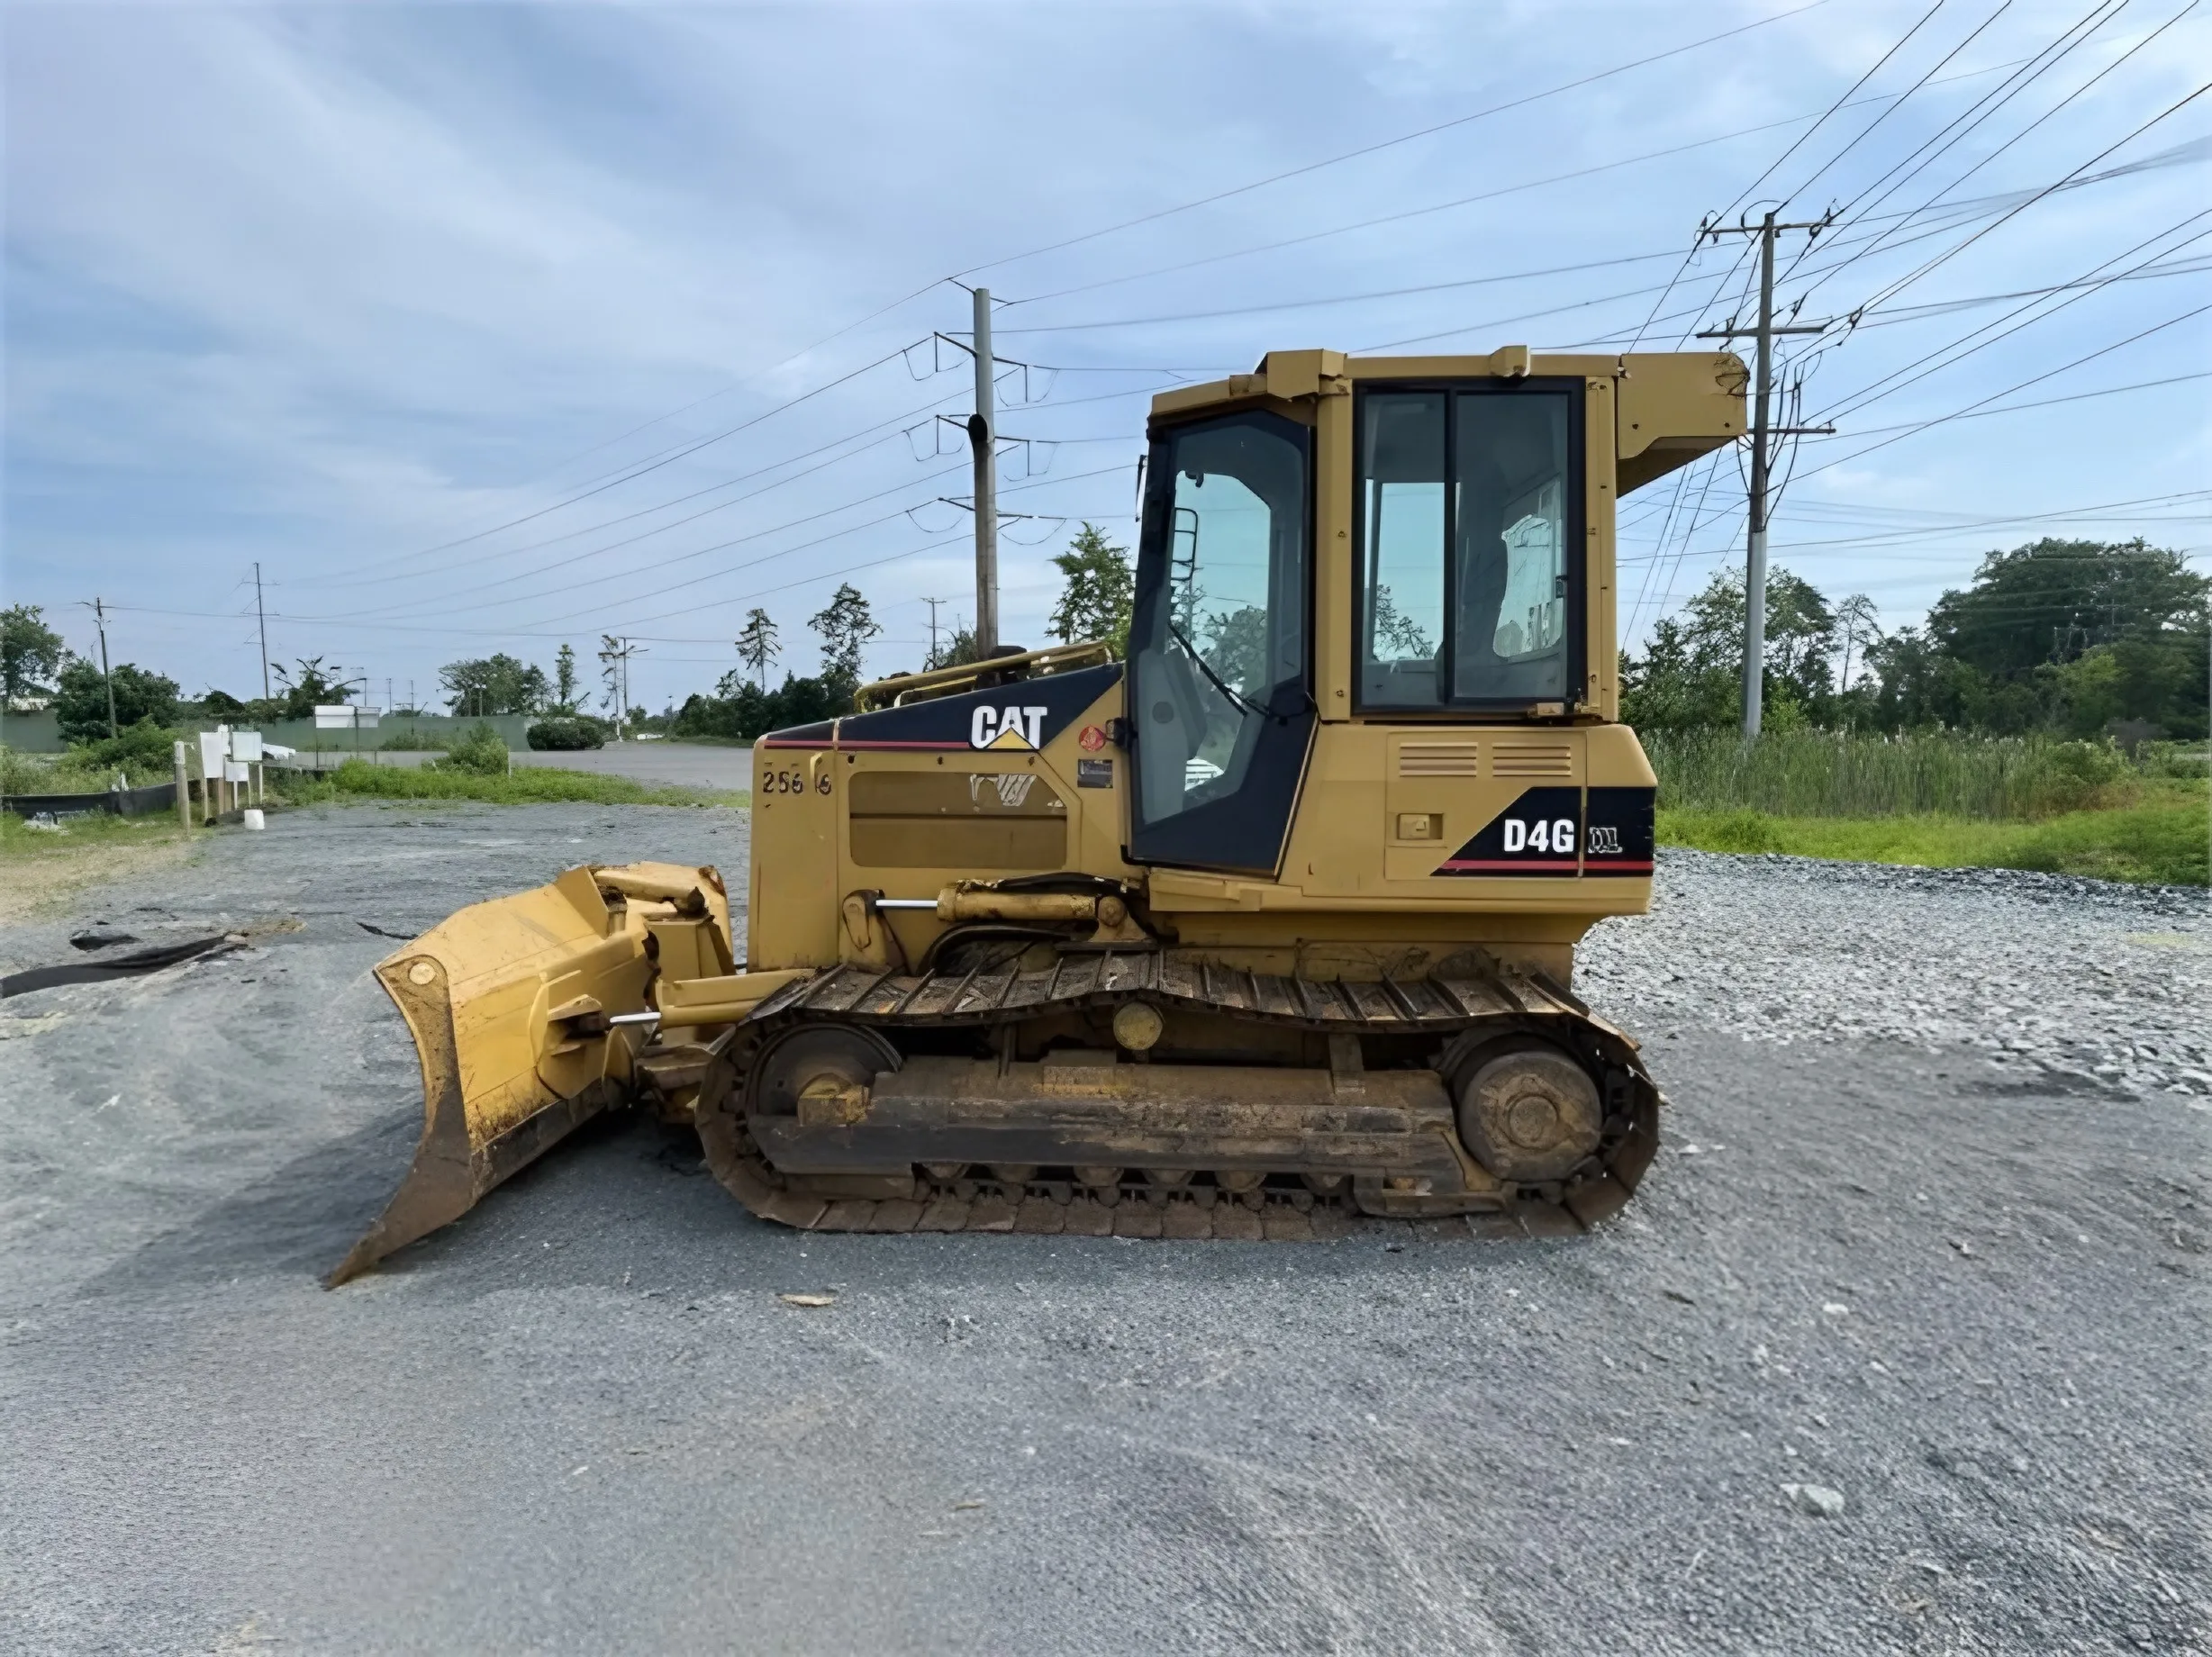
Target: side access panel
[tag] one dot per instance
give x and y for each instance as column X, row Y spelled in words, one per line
column 1018, row 779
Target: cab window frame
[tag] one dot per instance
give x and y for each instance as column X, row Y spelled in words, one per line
column 1156, row 518
column 1574, row 529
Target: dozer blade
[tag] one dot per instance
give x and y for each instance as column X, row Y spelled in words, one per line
column 508, row 1002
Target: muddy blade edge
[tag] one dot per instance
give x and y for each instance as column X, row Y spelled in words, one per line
column 481, row 995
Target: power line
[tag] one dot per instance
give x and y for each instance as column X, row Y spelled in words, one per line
column 2044, row 402
column 1744, row 194
column 1367, row 150
column 1341, row 299
column 540, row 570
column 1747, row 193
column 654, row 466
column 1692, row 313
column 1924, row 518
column 2065, row 48
column 830, row 339
column 785, row 552
column 1952, row 353
column 659, row 506
column 2035, row 380
column 1902, row 283
column 444, row 604
column 1700, row 241
column 1865, row 132
column 1401, row 216
column 1944, row 307
column 1923, row 531
column 2030, row 70
column 1436, row 207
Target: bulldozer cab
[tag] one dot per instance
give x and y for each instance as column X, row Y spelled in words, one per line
column 1397, row 541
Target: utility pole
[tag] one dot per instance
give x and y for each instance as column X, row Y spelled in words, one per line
column 617, row 655
column 1763, row 434
column 933, row 603
column 261, row 616
column 99, row 617
column 982, row 435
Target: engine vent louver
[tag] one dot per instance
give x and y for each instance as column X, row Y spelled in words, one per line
column 1532, row 759
column 1439, row 759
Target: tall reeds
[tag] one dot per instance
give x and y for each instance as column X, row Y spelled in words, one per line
column 1820, row 773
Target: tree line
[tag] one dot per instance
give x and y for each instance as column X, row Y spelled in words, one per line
column 1096, row 588
column 2074, row 636
column 2084, row 638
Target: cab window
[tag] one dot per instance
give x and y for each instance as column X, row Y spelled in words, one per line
column 1469, row 591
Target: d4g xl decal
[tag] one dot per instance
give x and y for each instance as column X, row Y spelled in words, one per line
column 1539, row 834
column 1619, row 837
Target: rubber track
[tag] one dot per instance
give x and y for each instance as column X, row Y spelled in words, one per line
column 889, row 1001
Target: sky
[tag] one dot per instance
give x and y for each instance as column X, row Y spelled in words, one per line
column 482, row 327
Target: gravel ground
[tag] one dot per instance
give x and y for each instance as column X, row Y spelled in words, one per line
column 1929, row 1231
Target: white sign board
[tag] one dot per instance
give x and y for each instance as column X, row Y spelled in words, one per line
column 344, row 716
column 212, row 746
column 234, row 771
column 246, row 747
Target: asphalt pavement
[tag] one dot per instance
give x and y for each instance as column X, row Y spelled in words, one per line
column 1965, row 1293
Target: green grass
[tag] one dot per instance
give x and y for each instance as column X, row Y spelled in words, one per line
column 1941, row 800
column 526, row 785
column 1826, row 773
column 2163, row 842
column 90, row 831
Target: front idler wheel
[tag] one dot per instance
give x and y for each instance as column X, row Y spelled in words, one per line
column 810, row 1057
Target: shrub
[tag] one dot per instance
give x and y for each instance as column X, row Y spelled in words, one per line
column 38, row 773
column 2066, row 777
column 567, row 733
column 2174, row 759
column 146, row 752
column 479, row 749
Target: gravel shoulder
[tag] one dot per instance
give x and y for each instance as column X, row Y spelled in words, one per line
column 1928, row 1230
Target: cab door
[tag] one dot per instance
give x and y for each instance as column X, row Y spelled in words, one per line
column 1220, row 709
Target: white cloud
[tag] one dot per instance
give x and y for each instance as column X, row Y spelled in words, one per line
column 329, row 286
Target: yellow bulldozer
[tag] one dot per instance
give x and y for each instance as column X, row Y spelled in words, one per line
column 1267, row 928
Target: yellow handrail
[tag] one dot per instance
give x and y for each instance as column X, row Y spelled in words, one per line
column 904, row 688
